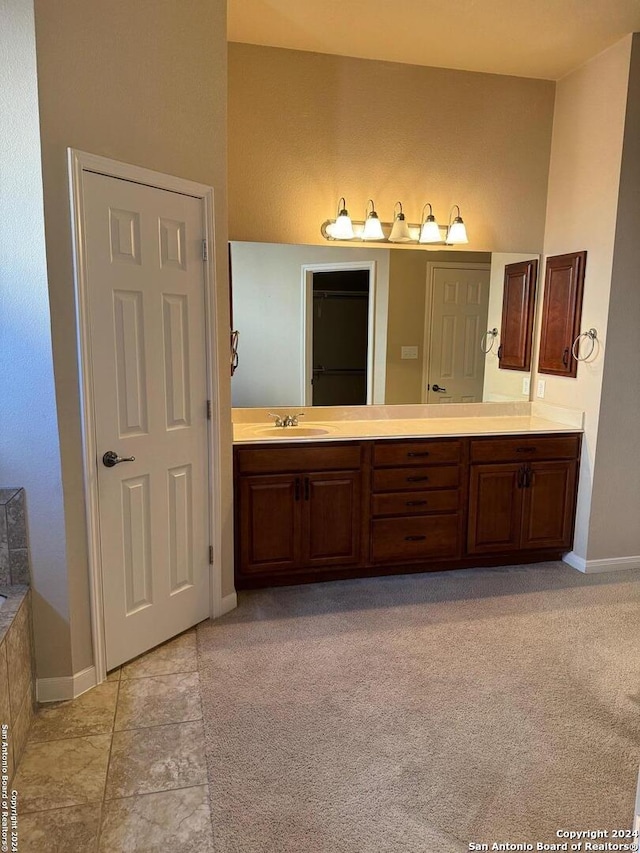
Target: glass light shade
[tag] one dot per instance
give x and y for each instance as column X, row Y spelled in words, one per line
column 400, row 231
column 372, row 228
column 430, row 231
column 457, row 233
column 342, row 228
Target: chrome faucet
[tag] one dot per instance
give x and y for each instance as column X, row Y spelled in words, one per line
column 292, row 420
column 286, row 420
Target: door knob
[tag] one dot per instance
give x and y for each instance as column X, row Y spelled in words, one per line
column 439, row 388
column 110, row 459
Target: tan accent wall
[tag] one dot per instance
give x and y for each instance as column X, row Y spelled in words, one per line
column 145, row 84
column 582, row 208
column 614, row 530
column 307, row 128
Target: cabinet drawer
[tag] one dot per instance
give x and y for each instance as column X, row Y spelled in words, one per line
column 267, row 460
column 415, row 452
column 415, row 479
column 415, row 503
column 399, row 539
column 525, row 448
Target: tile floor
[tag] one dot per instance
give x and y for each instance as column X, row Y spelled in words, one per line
column 121, row 768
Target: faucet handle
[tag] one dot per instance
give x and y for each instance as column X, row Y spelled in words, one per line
column 279, row 422
column 293, row 419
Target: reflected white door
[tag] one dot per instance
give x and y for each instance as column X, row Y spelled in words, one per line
column 147, row 322
column 454, row 372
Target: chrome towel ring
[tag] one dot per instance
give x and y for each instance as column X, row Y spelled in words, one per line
column 493, row 333
column 591, row 335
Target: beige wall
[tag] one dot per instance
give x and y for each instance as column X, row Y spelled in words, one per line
column 614, row 529
column 144, row 83
column 306, row 128
column 582, row 208
column 29, row 444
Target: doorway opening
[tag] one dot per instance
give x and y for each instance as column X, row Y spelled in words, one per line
column 340, row 337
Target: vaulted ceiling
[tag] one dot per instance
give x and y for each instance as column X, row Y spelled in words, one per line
column 527, row 38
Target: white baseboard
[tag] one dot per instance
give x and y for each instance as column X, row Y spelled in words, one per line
column 229, row 603
column 65, row 687
column 589, row 567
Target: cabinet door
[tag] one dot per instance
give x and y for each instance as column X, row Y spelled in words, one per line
column 549, row 501
column 495, row 508
column 561, row 311
column 518, row 301
column 269, row 515
column 331, row 518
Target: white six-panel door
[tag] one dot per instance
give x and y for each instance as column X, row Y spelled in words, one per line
column 146, row 301
column 460, row 303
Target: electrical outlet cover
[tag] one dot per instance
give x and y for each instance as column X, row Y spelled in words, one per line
column 541, row 387
column 526, row 386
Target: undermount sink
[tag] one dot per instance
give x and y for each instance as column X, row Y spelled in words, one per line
column 291, row 432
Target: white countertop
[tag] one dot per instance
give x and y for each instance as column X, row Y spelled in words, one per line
column 260, row 432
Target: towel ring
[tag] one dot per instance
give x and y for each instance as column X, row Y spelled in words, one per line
column 592, row 335
column 234, row 350
column 483, row 340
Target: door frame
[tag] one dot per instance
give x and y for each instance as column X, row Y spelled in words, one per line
column 80, row 162
column 306, row 391
column 432, row 266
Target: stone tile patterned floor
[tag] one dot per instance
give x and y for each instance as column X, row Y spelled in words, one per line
column 121, row 768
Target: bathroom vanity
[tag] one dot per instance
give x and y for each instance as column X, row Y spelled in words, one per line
column 356, row 498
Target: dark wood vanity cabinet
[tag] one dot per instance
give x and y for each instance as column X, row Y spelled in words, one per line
column 524, row 499
column 298, row 508
column 320, row 511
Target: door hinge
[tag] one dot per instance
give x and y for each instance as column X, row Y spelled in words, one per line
column 210, row 555
column 208, row 410
column 205, row 250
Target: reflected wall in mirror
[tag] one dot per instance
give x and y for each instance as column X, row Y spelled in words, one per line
column 333, row 325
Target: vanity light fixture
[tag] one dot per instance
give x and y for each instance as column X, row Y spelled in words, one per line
column 456, row 232
column 372, row 228
column 429, row 228
column 343, row 227
column 400, row 232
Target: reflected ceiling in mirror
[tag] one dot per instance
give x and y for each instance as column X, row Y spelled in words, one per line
column 335, row 325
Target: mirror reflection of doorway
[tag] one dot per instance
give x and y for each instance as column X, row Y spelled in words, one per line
column 453, row 370
column 340, row 335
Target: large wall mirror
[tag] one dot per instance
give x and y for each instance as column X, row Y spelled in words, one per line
column 334, row 325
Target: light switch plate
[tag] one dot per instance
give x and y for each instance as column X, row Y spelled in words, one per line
column 541, row 387
column 526, row 386
column 408, row 352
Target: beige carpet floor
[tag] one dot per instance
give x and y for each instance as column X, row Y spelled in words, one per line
column 417, row 714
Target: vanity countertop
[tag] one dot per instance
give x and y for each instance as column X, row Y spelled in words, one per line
column 389, row 428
